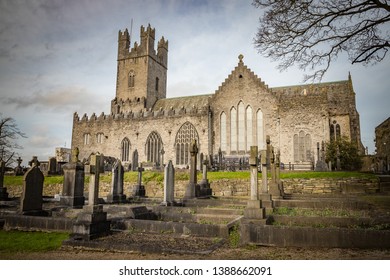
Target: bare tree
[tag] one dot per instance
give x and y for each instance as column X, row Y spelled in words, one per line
column 312, row 33
column 9, row 133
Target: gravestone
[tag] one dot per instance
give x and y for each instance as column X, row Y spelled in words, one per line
column 3, row 190
column 205, row 190
column 220, row 158
column 254, row 209
column 92, row 222
column 274, row 184
column 31, row 200
column 73, row 185
column 193, row 188
column 321, row 165
column 162, row 152
column 116, row 195
column 139, row 189
column 265, row 196
column 52, row 166
column 134, row 165
column 169, row 185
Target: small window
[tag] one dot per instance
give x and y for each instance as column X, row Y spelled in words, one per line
column 87, row 137
column 157, row 80
column 99, row 138
column 131, row 79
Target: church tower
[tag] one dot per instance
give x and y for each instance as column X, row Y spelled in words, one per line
column 141, row 72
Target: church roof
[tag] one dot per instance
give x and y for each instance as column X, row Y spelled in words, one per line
column 187, row 102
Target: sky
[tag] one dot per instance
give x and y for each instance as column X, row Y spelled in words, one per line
column 59, row 57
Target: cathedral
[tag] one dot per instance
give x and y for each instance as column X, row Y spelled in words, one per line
column 146, row 127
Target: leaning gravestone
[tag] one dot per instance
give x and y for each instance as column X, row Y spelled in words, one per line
column 169, row 185
column 31, row 200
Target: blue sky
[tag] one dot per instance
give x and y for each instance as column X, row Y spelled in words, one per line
column 59, row 57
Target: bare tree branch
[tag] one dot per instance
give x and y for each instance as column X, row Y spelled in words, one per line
column 311, row 34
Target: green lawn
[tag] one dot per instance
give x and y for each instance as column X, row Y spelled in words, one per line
column 30, row 241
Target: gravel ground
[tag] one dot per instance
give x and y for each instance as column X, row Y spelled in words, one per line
column 170, row 247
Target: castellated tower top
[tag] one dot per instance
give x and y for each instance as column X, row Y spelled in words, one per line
column 141, row 70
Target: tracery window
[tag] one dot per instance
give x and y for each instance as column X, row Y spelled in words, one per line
column 154, row 146
column 184, row 136
column 125, row 149
column 335, row 131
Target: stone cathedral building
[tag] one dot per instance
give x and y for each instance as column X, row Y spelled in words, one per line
column 143, row 124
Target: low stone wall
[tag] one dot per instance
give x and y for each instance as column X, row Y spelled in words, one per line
column 237, row 187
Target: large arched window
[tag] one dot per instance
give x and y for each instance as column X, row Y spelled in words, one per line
column 223, row 132
column 260, row 130
column 184, row 136
column 241, row 126
column 154, row 146
column 125, row 149
column 249, row 130
column 233, row 130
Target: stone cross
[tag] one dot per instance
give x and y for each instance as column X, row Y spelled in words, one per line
column 139, row 189
column 169, row 184
column 220, row 158
column 135, row 160
column 31, row 200
column 19, row 160
column 264, row 188
column 34, row 162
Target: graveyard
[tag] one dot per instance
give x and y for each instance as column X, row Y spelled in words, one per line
column 185, row 213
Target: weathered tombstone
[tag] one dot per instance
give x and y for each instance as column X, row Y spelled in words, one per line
column 139, row 189
column 116, row 195
column 52, row 166
column 3, row 190
column 192, row 188
column 220, row 159
column 254, row 210
column 265, row 196
column 134, row 165
column 204, row 184
column 274, row 184
column 31, row 200
column 73, row 186
column 19, row 169
column 169, row 185
column 92, row 221
column 321, row 164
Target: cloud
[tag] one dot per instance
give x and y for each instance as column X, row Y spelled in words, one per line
column 68, row 99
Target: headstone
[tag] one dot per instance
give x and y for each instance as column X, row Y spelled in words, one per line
column 274, row 184
column 265, row 196
column 220, row 157
column 52, row 166
column 3, row 190
column 192, row 188
column 134, row 165
column 31, row 200
column 254, row 209
column 116, row 195
column 205, row 190
column 92, row 221
column 73, row 186
column 321, row 165
column 162, row 152
column 169, row 185
column 139, row 189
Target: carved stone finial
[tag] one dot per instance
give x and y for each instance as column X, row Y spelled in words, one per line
column 240, row 57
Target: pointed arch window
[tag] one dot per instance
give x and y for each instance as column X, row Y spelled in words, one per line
column 233, row 130
column 241, row 126
column 131, row 80
column 223, row 132
column 154, row 146
column 125, row 149
column 260, row 129
column 184, row 136
column 249, row 131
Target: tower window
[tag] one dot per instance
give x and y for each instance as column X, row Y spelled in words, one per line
column 157, row 80
column 131, row 79
column 87, row 137
column 99, row 138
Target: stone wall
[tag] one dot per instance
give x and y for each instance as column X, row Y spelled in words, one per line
column 236, row 187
